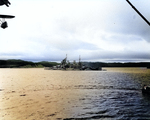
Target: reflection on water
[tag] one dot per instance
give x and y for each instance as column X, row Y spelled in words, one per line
column 36, row 94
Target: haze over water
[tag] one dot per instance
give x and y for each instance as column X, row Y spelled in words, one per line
column 36, row 94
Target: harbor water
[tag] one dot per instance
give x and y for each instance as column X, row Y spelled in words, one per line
column 38, row 94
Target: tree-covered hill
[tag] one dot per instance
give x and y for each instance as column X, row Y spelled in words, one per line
column 13, row 63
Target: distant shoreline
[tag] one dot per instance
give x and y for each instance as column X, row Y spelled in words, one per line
column 13, row 63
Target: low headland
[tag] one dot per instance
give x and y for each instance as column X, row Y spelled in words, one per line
column 14, row 63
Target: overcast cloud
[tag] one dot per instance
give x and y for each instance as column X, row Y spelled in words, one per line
column 98, row 30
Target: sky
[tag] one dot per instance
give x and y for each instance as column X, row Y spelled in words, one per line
column 95, row 30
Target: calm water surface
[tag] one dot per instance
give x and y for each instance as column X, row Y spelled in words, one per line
column 36, row 94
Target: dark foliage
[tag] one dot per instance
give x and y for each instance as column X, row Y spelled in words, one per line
column 20, row 63
column 12, row 63
column 129, row 64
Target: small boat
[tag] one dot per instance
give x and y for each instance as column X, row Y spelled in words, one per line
column 146, row 89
